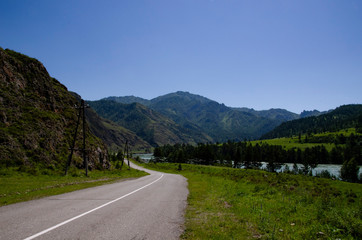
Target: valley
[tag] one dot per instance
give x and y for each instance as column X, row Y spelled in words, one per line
column 200, row 119
column 219, row 149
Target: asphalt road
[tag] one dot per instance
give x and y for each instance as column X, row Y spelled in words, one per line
column 150, row 207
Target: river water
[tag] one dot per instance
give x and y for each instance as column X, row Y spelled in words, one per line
column 333, row 169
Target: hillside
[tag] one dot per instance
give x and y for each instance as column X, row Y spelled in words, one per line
column 148, row 124
column 37, row 117
column 343, row 117
column 112, row 134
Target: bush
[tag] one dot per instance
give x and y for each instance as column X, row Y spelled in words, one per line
column 75, row 172
column 325, row 174
column 138, row 159
column 349, row 171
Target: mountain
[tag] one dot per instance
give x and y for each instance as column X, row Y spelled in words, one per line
column 184, row 102
column 305, row 113
column 346, row 116
column 224, row 123
column 38, row 118
column 112, row 134
column 277, row 114
column 203, row 117
column 220, row 122
column 128, row 100
column 148, row 124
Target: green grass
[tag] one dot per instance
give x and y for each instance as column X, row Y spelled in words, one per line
column 293, row 142
column 227, row 203
column 18, row 186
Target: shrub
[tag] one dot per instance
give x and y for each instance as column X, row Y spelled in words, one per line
column 349, row 171
column 324, row 174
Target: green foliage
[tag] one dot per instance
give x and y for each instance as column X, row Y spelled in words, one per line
column 325, row 174
column 24, row 59
column 349, row 170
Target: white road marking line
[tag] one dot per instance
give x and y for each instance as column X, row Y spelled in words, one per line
column 94, row 209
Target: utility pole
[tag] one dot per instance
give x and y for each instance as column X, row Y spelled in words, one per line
column 81, row 113
column 124, row 153
column 73, row 142
column 128, row 155
column 85, row 160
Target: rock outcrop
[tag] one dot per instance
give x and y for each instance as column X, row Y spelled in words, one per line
column 38, row 118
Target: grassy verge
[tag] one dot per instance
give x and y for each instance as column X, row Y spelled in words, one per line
column 227, row 203
column 18, row 186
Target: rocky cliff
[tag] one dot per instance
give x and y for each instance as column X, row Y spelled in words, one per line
column 38, row 118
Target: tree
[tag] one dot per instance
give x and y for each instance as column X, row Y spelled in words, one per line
column 157, row 152
column 349, row 170
column 336, row 156
column 275, row 154
column 238, row 157
column 295, row 168
column 248, row 159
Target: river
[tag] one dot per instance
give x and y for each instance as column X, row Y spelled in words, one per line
column 333, row 169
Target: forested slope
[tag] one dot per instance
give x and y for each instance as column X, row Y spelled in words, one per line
column 347, row 116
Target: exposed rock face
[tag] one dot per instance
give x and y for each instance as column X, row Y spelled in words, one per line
column 38, row 118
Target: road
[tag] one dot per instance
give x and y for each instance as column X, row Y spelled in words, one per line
column 149, row 207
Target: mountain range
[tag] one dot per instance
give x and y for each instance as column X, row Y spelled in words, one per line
column 182, row 117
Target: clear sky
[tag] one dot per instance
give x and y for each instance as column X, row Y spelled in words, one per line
column 296, row 55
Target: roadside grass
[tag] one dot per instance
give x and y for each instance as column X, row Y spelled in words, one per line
column 16, row 186
column 226, row 203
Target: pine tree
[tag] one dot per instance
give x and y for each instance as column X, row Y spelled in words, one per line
column 349, row 171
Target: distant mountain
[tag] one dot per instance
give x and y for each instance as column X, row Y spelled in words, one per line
column 202, row 116
column 151, row 126
column 278, row 114
column 37, row 117
column 305, row 113
column 128, row 100
column 346, row 116
column 220, row 122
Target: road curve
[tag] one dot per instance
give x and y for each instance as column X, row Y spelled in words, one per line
column 150, row 207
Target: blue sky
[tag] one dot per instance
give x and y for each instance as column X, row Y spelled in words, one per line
column 296, row 55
